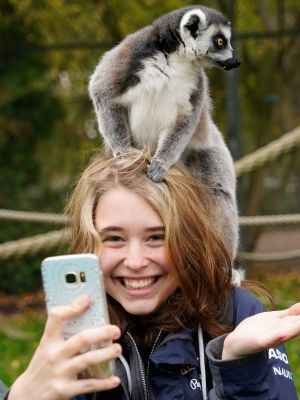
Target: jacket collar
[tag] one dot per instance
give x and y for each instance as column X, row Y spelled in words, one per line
column 176, row 348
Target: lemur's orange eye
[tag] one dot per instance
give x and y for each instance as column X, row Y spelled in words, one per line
column 220, row 42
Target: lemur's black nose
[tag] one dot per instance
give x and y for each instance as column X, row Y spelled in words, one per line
column 231, row 63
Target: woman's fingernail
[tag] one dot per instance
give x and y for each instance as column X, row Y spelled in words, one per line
column 83, row 300
column 116, row 333
column 116, row 381
column 117, row 348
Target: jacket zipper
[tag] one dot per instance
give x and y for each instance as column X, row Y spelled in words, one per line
column 141, row 366
column 148, row 363
column 125, row 391
column 145, row 377
column 94, row 396
column 173, row 337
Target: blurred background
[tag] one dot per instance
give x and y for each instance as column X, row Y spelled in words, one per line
column 48, row 133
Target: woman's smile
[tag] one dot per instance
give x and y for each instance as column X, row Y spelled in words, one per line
column 136, row 284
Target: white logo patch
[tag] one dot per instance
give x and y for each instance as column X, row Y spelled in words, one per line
column 194, row 383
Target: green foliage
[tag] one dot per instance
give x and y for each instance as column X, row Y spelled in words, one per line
column 22, row 275
column 17, row 352
column 293, row 352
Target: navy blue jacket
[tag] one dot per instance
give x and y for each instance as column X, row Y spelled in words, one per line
column 173, row 373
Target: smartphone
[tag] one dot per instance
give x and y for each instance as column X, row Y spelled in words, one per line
column 67, row 277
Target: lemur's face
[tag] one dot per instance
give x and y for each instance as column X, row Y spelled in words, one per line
column 208, row 43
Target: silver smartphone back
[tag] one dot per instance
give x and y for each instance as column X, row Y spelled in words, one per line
column 67, row 277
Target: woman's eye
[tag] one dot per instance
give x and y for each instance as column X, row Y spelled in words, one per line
column 112, row 239
column 157, row 238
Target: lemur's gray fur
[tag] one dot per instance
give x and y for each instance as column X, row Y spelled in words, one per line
column 151, row 90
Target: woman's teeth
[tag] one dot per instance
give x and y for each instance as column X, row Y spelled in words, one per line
column 137, row 283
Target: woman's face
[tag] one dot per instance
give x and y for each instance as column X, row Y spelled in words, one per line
column 133, row 253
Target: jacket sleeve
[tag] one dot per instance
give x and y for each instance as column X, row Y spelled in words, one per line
column 3, row 391
column 261, row 376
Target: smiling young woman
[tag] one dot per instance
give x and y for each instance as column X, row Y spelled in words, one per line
column 183, row 328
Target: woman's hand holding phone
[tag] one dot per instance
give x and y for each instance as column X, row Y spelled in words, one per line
column 54, row 369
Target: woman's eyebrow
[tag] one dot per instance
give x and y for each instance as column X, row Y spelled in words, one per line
column 118, row 228
column 109, row 229
column 156, row 228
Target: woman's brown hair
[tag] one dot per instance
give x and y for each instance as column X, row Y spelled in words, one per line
column 195, row 249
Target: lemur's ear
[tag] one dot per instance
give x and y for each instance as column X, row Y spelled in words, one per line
column 192, row 22
column 193, row 25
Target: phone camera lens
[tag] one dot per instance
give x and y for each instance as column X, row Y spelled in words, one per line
column 71, row 277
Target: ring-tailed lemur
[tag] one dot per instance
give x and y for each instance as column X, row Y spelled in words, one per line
column 151, row 90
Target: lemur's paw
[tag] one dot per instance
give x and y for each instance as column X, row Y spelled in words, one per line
column 156, row 171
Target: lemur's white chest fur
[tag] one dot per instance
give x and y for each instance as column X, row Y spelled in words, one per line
column 161, row 96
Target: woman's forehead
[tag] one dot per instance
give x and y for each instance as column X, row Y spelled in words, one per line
column 124, row 206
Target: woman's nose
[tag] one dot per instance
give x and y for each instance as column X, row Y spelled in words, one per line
column 135, row 257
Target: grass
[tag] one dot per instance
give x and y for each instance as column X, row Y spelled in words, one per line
column 20, row 333
column 18, row 342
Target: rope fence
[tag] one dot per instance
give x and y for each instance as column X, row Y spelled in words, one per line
column 259, row 220
column 33, row 216
column 50, row 240
column 268, row 153
column 270, row 257
column 33, row 245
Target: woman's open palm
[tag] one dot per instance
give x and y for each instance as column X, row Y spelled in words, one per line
column 262, row 331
